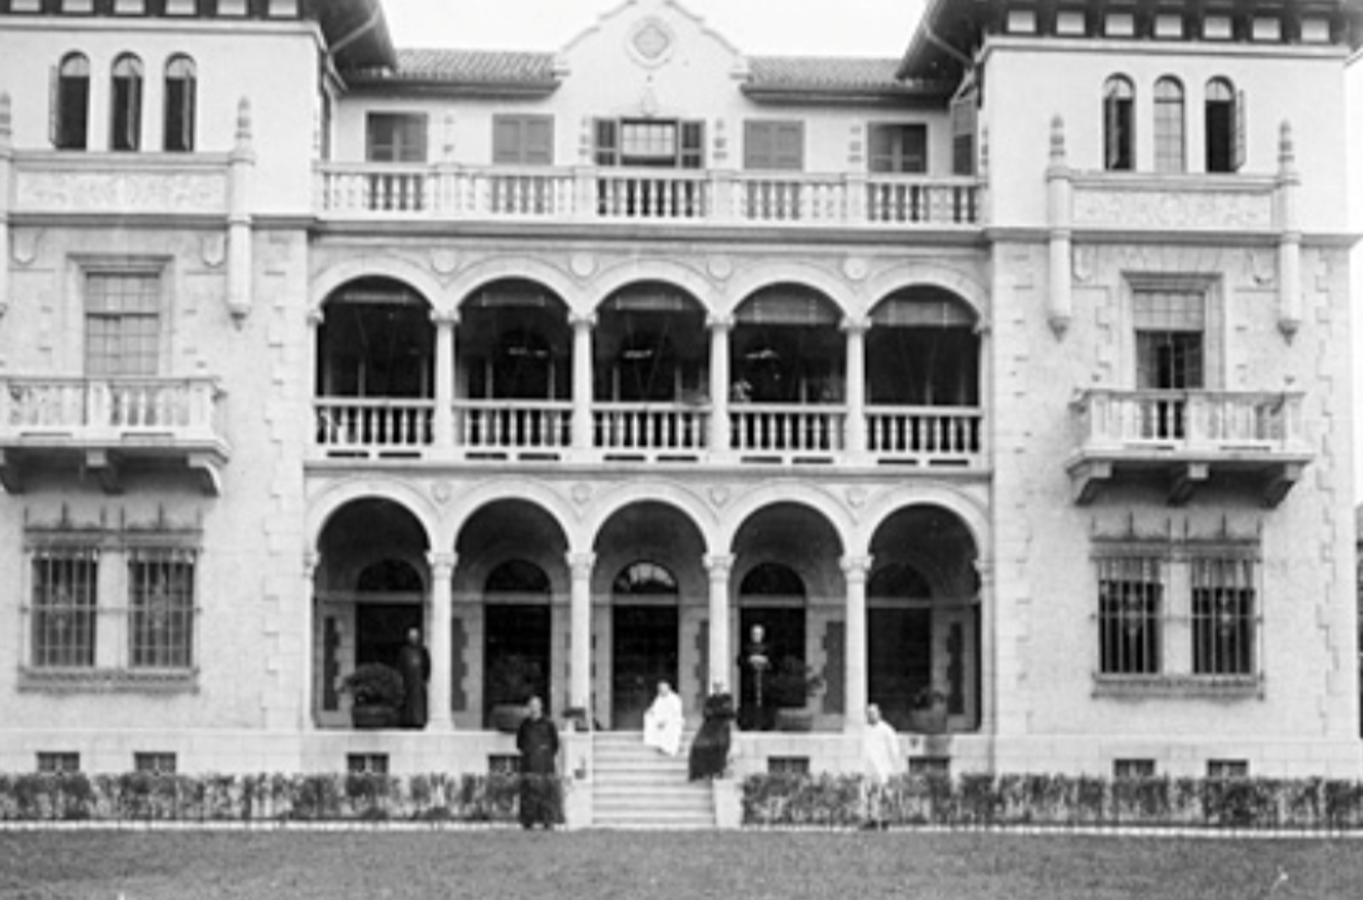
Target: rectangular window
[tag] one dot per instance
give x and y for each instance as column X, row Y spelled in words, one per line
column 65, row 603
column 1170, row 356
column 1123, row 769
column 1224, row 616
column 788, row 765
column 154, row 763
column 1220, row 769
column 898, row 148
column 964, row 125
column 650, row 143
column 395, row 137
column 938, row 766
column 1130, row 608
column 161, row 613
column 777, row 146
column 503, row 763
column 367, row 763
column 523, row 140
column 58, row 762
column 122, row 323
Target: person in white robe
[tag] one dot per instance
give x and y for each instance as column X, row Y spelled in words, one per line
column 880, row 762
column 664, row 721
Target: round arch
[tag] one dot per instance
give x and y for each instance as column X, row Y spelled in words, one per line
column 338, row 495
column 701, row 289
column 678, row 498
column 964, row 285
column 745, row 507
column 554, row 505
column 517, row 268
column 969, row 509
column 329, row 280
column 846, row 297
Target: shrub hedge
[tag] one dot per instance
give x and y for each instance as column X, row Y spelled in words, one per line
column 254, row 798
column 1059, row 801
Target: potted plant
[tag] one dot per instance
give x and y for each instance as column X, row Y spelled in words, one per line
column 789, row 687
column 376, row 694
column 929, row 713
column 511, row 682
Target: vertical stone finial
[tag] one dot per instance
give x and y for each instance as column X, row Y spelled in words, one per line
column 1057, row 140
column 243, row 123
column 6, row 122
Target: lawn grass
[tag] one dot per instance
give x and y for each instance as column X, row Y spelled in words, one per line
column 750, row 865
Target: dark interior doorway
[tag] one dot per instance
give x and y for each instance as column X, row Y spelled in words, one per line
column 644, row 652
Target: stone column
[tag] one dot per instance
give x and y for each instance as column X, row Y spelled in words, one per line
column 438, row 640
column 1060, row 189
column 582, row 381
column 719, row 566
column 239, row 230
column 987, row 665
column 580, row 631
column 307, row 637
column 854, row 570
column 443, row 422
column 6, row 178
column 855, row 329
column 720, row 328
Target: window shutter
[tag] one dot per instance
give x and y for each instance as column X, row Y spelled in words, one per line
column 963, row 134
column 757, row 145
column 607, row 143
column 1111, row 140
column 54, row 109
column 506, row 135
column 1238, row 114
column 692, row 145
column 187, row 104
column 790, row 146
column 539, row 141
column 134, row 135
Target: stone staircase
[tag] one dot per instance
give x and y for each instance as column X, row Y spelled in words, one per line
column 634, row 786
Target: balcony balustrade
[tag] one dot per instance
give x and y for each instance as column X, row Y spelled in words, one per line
column 109, row 421
column 653, row 432
column 447, row 192
column 1189, row 436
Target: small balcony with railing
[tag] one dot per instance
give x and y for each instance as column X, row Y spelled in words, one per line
column 1186, row 439
column 109, row 426
column 649, row 378
column 643, row 196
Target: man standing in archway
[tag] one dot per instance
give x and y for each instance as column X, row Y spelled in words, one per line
column 415, row 665
column 754, row 664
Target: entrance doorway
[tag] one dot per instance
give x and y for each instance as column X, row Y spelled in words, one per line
column 643, row 652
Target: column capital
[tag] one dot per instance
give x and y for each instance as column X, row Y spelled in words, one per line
column 856, row 568
column 316, row 315
column 445, row 318
column 719, row 564
column 581, row 564
column 582, row 321
column 311, row 560
column 858, row 325
column 442, row 564
column 716, row 322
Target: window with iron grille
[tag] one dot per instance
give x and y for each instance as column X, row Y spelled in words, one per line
column 154, row 763
column 788, row 765
column 1133, row 768
column 122, row 323
column 1130, row 610
column 503, row 763
column 58, row 762
column 65, row 604
column 1227, row 768
column 939, row 766
column 1225, row 617
column 161, row 594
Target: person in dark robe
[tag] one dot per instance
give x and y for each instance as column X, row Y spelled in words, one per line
column 414, row 664
column 537, row 740
column 756, row 712
column 710, row 748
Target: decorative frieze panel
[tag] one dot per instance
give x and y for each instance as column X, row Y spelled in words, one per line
column 1197, row 209
column 123, row 192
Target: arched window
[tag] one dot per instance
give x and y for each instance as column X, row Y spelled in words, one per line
column 644, row 579
column 178, row 124
column 71, row 102
column 1224, row 128
column 125, row 120
column 1170, row 155
column 1119, row 127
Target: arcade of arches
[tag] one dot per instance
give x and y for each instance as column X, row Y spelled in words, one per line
column 645, row 599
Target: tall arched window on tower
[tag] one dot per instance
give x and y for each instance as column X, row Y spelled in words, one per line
column 1225, row 127
column 71, row 102
column 180, row 98
column 125, row 120
column 1119, row 134
column 1170, row 155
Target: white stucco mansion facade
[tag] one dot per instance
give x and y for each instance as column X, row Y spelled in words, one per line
column 1016, row 367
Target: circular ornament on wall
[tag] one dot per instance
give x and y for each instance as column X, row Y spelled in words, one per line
column 855, row 267
column 721, row 266
column 442, row 491
column 582, row 264
column 651, row 42
column 444, row 260
column 581, row 493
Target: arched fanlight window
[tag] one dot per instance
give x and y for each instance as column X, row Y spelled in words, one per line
column 1119, row 134
column 1223, row 120
column 644, row 578
column 71, row 102
column 125, row 121
column 390, row 576
column 1170, row 155
column 178, row 121
column 772, row 580
column 898, row 581
column 517, row 576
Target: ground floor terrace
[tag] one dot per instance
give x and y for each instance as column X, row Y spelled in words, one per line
column 589, row 591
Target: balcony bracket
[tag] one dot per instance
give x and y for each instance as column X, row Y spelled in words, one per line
column 1185, row 481
column 1280, row 482
column 1088, row 478
column 209, row 471
column 106, row 469
column 11, row 476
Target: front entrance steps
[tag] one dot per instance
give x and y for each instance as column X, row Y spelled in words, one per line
column 634, row 786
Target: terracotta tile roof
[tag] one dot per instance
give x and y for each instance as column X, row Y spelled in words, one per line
column 507, row 68
column 824, row 74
